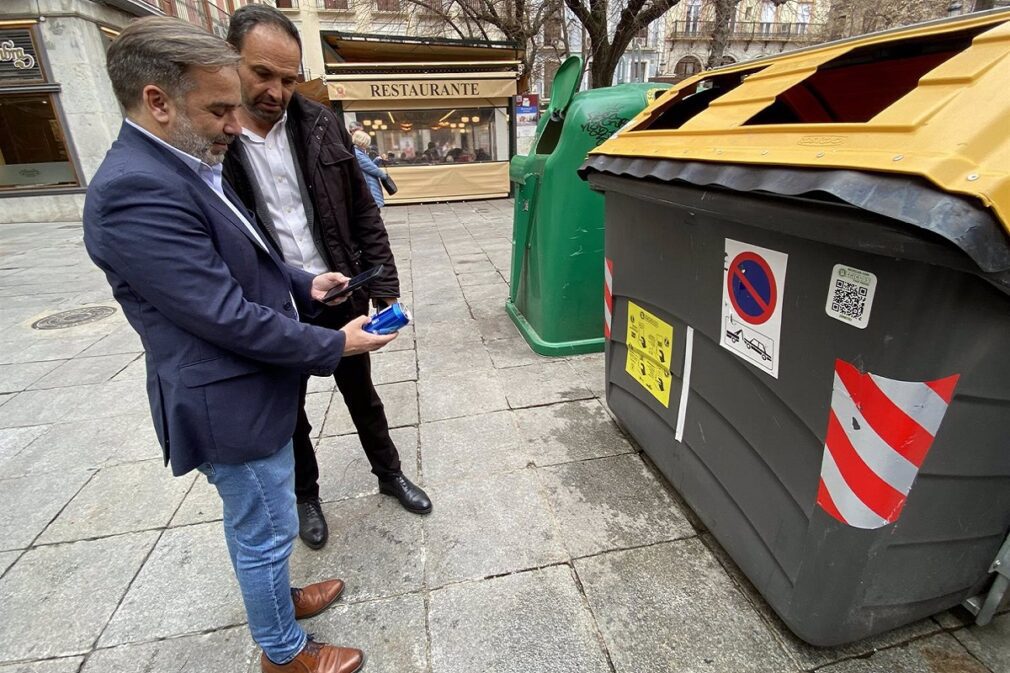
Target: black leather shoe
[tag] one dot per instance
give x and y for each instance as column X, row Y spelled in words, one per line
column 410, row 496
column 312, row 524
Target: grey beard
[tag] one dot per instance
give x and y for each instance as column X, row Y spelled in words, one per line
column 185, row 137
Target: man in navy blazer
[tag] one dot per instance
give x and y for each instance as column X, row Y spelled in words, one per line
column 218, row 313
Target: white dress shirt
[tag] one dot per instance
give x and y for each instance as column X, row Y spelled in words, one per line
column 209, row 174
column 273, row 166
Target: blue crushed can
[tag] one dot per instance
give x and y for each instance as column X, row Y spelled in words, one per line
column 388, row 320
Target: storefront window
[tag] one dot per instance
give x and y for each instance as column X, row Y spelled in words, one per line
column 442, row 136
column 32, row 150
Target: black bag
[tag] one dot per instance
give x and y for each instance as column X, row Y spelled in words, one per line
column 388, row 184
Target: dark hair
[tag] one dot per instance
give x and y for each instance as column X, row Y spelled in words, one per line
column 161, row 51
column 248, row 17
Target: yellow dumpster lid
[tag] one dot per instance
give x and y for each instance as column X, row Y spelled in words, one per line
column 930, row 100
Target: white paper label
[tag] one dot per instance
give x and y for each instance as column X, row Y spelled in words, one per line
column 850, row 295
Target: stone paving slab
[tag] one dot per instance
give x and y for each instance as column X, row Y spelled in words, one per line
column 88, row 444
column 63, row 595
column 937, row 654
column 375, row 547
column 66, row 665
column 107, row 505
column 542, row 383
column 670, row 608
column 989, row 644
column 611, row 503
column 514, row 352
column 507, row 527
column 446, row 358
column 464, row 393
column 52, row 348
column 123, row 340
column 36, row 407
column 562, row 433
column 16, row 377
column 316, row 407
column 394, row 367
column 591, row 370
column 399, row 399
column 14, row 440
column 391, row 632
column 531, row 622
column 31, row 502
column 496, row 324
column 136, row 370
column 83, row 370
column 7, row 559
column 344, row 470
column 201, row 504
column 186, row 586
column 226, row 651
column 113, row 398
column 462, row 449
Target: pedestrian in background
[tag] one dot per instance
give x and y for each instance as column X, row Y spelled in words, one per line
column 373, row 174
column 217, row 311
column 293, row 164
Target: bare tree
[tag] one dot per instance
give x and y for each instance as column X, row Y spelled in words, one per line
column 605, row 46
column 722, row 27
column 854, row 17
column 518, row 21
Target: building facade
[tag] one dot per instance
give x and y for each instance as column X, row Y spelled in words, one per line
column 58, row 113
column 758, row 28
column 439, row 107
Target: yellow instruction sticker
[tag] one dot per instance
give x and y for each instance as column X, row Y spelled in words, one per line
column 649, row 335
column 650, row 346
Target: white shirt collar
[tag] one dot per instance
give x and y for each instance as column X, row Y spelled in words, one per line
column 256, row 138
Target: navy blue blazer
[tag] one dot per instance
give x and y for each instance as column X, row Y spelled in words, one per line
column 225, row 349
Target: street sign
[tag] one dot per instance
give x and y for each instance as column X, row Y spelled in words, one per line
column 753, row 282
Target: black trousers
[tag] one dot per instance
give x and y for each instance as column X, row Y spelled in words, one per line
column 354, row 381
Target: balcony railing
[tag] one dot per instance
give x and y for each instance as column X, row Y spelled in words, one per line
column 279, row 4
column 333, row 5
column 747, row 30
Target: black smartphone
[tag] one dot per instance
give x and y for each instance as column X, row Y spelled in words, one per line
column 361, row 279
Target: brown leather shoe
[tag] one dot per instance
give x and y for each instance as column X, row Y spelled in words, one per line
column 313, row 599
column 318, row 658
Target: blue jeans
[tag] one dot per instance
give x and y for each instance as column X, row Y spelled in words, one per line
column 260, row 525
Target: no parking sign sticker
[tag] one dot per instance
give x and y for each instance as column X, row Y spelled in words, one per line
column 753, row 283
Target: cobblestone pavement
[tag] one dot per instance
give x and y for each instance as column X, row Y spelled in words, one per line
column 553, row 548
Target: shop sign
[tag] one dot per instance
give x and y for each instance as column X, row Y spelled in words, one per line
column 18, row 59
column 422, row 88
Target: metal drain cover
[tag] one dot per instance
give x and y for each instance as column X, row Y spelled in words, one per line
column 73, row 317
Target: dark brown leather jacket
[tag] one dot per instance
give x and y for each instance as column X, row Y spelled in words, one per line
column 346, row 225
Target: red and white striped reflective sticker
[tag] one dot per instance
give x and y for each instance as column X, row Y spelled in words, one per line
column 879, row 432
column 608, row 296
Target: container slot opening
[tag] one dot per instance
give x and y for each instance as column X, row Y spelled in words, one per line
column 550, row 136
column 862, row 83
column 692, row 101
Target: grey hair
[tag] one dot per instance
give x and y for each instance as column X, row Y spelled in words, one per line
column 161, row 51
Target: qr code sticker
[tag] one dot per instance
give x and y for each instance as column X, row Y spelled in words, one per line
column 850, row 296
column 849, row 299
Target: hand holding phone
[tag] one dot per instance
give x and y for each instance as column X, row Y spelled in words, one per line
column 353, row 284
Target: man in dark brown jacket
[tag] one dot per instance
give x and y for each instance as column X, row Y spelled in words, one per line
column 294, row 166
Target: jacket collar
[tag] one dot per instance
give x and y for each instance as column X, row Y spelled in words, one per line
column 134, row 137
